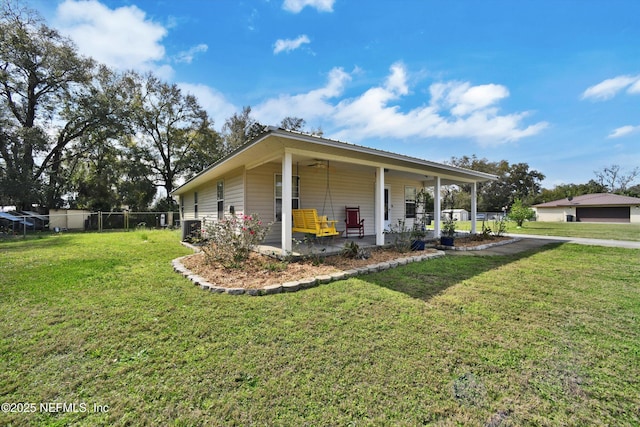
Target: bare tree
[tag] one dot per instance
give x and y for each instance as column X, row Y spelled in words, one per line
column 614, row 179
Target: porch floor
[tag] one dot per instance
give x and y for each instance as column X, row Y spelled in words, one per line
column 325, row 246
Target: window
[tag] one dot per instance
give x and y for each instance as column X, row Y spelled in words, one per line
column 410, row 202
column 220, row 198
column 195, row 204
column 295, row 195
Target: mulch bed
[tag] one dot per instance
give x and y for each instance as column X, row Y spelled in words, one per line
column 260, row 270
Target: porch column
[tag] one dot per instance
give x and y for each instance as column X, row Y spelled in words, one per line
column 379, row 207
column 437, row 208
column 286, row 202
column 474, row 206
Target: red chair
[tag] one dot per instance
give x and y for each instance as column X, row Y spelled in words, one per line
column 353, row 221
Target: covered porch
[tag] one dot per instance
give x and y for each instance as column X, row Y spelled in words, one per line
column 333, row 176
column 281, row 170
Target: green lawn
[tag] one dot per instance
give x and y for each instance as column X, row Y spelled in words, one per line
column 550, row 337
column 589, row 230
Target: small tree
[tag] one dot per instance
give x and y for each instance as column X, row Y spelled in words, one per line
column 520, row 213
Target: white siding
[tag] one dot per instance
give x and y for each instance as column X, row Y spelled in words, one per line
column 260, row 191
column 553, row 214
column 234, row 192
column 261, row 196
column 208, row 197
column 458, row 214
column 345, row 188
column 207, row 210
column 396, row 198
column 186, row 205
column 70, row 219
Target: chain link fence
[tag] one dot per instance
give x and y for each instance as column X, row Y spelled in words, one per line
column 27, row 223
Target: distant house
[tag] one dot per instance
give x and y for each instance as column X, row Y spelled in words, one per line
column 599, row 207
column 458, row 214
column 68, row 219
column 280, row 170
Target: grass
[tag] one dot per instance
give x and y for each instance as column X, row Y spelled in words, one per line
column 549, row 337
column 590, row 230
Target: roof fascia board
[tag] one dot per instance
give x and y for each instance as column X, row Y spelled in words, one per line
column 381, row 158
column 386, row 155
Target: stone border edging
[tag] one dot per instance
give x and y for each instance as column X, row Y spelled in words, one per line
column 296, row 285
column 479, row 247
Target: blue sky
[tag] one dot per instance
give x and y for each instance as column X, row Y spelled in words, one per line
column 553, row 83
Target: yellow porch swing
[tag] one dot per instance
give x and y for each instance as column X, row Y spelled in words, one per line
column 308, row 220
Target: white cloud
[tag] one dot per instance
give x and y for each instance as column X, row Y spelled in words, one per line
column 188, row 55
column 295, row 6
column 214, row 102
column 455, row 110
column 122, row 38
column 608, row 88
column 164, row 72
column 397, row 81
column 634, row 88
column 462, row 98
column 287, row 45
column 624, row 131
column 313, row 105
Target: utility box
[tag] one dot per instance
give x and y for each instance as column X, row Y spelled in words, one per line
column 191, row 228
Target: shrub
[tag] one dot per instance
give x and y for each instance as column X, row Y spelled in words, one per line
column 230, row 240
column 499, row 226
column 401, row 235
column 352, row 250
column 310, row 252
column 520, row 213
column 486, row 231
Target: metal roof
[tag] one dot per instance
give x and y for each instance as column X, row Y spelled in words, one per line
column 35, row 215
column 597, row 199
column 273, row 140
column 14, row 218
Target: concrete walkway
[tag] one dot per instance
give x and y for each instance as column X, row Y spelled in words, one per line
column 527, row 242
column 627, row 244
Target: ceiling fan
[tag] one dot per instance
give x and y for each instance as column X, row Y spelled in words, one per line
column 319, row 164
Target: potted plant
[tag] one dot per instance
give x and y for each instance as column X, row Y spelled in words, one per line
column 448, row 231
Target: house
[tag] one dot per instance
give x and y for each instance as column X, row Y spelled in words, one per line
column 68, row 219
column 283, row 170
column 599, row 207
column 457, row 214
